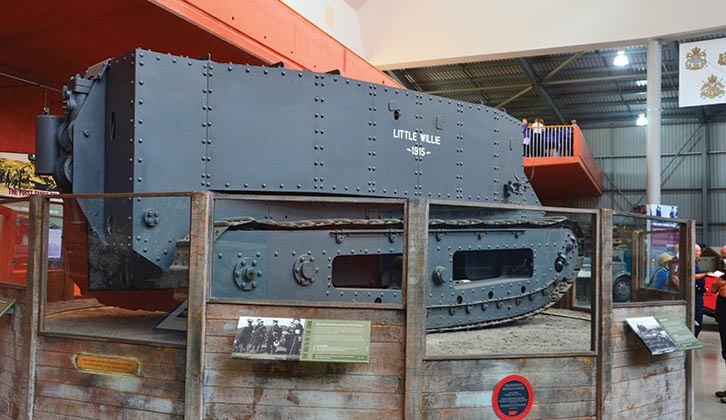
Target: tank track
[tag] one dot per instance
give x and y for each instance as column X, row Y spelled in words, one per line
column 540, row 295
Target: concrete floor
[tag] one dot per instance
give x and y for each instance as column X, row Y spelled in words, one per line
column 709, row 375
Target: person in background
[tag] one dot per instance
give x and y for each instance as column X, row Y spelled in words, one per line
column 700, row 290
column 537, row 137
column 526, row 140
column 661, row 275
column 674, row 283
column 570, row 140
column 718, row 286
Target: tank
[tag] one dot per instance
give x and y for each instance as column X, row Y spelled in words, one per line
column 148, row 122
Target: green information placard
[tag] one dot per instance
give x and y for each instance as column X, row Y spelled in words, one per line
column 5, row 305
column 336, row 341
column 679, row 334
column 301, row 339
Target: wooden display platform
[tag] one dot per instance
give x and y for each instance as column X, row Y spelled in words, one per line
column 411, row 374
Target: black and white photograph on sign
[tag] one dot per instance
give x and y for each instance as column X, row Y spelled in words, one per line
column 268, row 338
column 652, row 334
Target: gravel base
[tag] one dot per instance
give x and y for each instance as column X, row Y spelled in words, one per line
column 553, row 331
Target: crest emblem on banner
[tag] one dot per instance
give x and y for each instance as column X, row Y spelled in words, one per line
column 696, row 59
column 702, row 72
column 713, row 88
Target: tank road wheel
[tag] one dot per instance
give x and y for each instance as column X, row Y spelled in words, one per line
column 622, row 289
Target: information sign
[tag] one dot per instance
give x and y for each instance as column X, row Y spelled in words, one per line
column 512, row 398
column 309, row 340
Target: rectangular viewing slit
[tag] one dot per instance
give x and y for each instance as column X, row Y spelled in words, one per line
column 492, row 264
column 383, row 271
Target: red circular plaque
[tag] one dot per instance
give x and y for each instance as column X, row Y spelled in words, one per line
column 512, row 398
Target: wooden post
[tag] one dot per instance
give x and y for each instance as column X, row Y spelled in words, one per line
column 690, row 295
column 417, row 223
column 199, row 249
column 605, row 314
column 37, row 269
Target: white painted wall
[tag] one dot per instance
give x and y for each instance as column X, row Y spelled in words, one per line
column 336, row 17
column 405, row 33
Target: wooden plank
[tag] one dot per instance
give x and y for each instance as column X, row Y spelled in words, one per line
column 107, row 397
column 16, row 292
column 642, row 356
column 118, row 383
column 508, row 366
column 201, row 241
column 656, row 367
column 172, row 356
column 8, row 409
column 416, row 275
column 662, row 409
column 11, row 346
column 7, row 392
column 303, row 381
column 621, row 327
column 377, row 366
column 643, row 391
column 8, row 379
column 621, row 314
column 149, row 367
column 376, row 316
column 254, row 411
column 94, row 411
column 604, row 301
column 9, row 363
column 40, row 415
column 476, row 381
column 575, row 410
column 473, row 399
column 37, row 270
column 303, row 398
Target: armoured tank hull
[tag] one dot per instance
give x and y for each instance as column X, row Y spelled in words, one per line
column 148, row 122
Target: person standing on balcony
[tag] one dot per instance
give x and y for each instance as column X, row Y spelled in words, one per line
column 537, row 137
column 571, row 139
column 526, row 138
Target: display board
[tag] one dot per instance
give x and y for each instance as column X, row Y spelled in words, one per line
column 663, row 334
column 299, row 339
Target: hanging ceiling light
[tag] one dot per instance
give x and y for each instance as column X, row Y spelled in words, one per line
column 621, row 59
column 641, row 121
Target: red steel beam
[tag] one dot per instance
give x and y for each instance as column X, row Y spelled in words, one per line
column 273, row 32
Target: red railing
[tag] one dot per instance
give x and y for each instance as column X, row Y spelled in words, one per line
column 561, row 156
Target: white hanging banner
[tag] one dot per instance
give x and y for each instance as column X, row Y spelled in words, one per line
column 702, row 73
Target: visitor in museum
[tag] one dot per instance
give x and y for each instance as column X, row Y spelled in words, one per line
column 718, row 287
column 700, row 289
column 662, row 274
